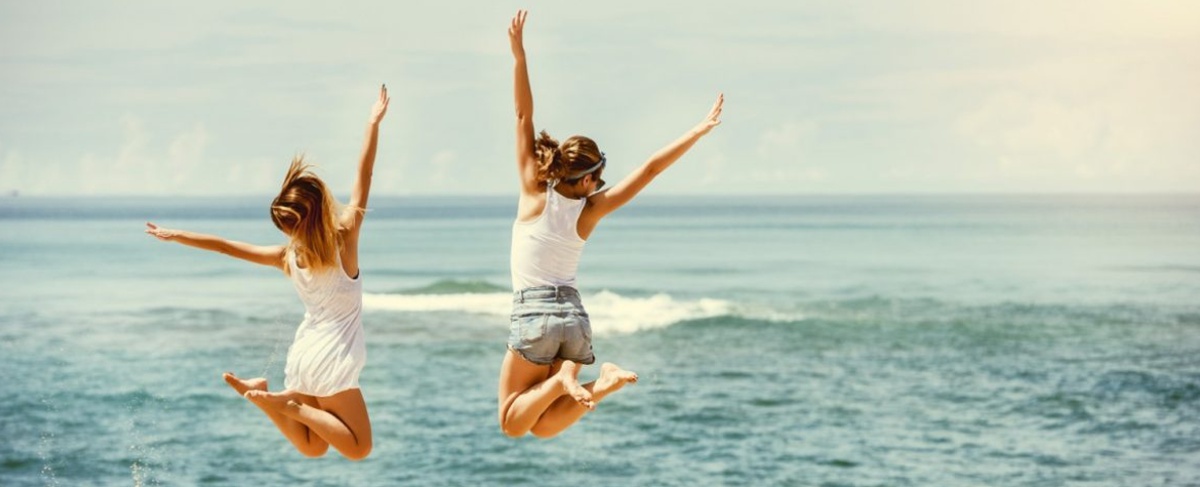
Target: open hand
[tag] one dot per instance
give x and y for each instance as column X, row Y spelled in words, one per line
column 381, row 105
column 164, row 234
column 516, row 34
column 714, row 117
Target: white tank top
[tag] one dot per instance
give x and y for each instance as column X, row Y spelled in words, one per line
column 546, row 251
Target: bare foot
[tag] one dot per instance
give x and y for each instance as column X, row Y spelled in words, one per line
column 568, row 377
column 577, row 392
column 269, row 401
column 612, row 378
column 242, row 386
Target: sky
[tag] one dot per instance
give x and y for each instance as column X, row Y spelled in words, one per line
column 843, row 97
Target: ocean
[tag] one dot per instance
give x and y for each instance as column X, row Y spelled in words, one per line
column 1041, row 340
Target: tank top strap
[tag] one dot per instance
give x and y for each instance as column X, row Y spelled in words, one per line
column 551, row 193
column 290, row 257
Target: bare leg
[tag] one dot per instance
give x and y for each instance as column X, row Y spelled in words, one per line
column 527, row 389
column 340, row 419
column 564, row 412
column 309, row 444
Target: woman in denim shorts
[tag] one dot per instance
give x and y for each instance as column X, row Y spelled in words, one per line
column 550, row 336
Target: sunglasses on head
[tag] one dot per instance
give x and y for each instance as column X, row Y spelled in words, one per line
column 595, row 171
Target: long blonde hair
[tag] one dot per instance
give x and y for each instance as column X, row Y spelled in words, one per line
column 557, row 161
column 307, row 212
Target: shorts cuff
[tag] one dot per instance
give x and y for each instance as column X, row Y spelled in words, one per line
column 532, row 360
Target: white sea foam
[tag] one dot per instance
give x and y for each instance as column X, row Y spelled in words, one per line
column 609, row 311
column 481, row 303
column 613, row 313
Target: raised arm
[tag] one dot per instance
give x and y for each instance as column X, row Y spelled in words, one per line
column 353, row 219
column 606, row 202
column 523, row 97
column 271, row 255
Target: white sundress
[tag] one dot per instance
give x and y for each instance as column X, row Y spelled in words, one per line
column 329, row 350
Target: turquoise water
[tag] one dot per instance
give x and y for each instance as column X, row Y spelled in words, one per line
column 830, row 341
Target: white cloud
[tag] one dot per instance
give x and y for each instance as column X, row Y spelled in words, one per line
column 714, row 170
column 1022, row 124
column 132, row 165
column 441, row 167
column 918, row 96
column 1049, row 21
column 185, row 155
column 257, row 175
column 779, row 162
column 784, row 154
column 12, row 171
column 144, row 165
column 787, row 141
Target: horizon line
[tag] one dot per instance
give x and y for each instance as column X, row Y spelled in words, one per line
column 866, row 194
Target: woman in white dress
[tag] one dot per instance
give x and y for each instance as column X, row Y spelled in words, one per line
column 321, row 405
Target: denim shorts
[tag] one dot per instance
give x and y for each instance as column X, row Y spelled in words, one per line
column 548, row 324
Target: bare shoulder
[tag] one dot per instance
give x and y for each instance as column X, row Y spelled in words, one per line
column 527, row 169
column 599, row 204
column 531, row 203
column 349, row 218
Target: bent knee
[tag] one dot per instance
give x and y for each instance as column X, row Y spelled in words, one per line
column 544, row 433
column 314, row 451
column 510, row 430
column 358, row 453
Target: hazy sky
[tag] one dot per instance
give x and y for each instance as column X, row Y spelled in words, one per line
column 208, row 98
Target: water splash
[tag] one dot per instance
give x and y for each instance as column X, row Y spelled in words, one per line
column 278, row 339
column 141, row 471
column 46, row 446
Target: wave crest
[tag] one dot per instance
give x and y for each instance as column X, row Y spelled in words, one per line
column 455, row 286
column 610, row 312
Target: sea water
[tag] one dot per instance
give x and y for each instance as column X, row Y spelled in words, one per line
column 790, row 340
